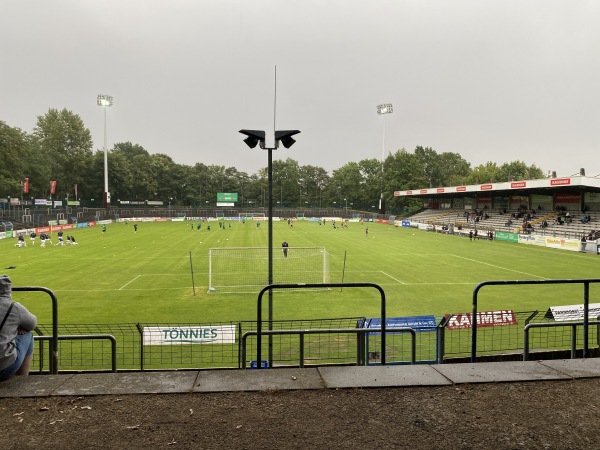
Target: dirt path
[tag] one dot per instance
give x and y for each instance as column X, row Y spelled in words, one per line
column 544, row 415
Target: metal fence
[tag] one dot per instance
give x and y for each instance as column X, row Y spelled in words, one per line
column 439, row 345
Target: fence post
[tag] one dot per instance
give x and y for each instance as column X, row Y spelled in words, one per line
column 141, row 331
column 441, row 340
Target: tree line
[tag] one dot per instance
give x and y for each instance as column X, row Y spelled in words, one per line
column 60, row 148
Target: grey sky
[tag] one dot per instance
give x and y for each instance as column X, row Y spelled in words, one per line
column 491, row 80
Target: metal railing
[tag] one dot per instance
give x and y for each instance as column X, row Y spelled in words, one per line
column 54, row 339
column 572, row 325
column 272, row 287
column 586, row 302
column 360, row 348
column 80, row 337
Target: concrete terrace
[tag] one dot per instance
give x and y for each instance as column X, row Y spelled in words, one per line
column 210, row 381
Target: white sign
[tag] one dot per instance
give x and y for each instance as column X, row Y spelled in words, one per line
column 574, row 312
column 222, row 334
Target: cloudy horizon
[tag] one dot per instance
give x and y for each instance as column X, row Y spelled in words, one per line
column 495, row 81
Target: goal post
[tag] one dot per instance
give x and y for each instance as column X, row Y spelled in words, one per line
column 246, row 269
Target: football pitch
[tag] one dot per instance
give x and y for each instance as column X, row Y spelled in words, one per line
column 123, row 276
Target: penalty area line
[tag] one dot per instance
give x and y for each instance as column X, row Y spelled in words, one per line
column 388, row 275
column 128, row 283
column 500, row 267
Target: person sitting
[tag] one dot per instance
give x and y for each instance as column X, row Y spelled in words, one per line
column 73, row 241
column 16, row 340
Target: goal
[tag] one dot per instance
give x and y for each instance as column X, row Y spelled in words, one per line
column 246, row 269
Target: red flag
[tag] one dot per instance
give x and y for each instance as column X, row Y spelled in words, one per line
column 75, row 188
column 53, row 187
column 26, row 186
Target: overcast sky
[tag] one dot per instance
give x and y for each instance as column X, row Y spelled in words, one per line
column 491, row 80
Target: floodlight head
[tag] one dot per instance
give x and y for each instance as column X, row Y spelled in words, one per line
column 285, row 136
column 385, row 108
column 104, row 100
column 254, row 137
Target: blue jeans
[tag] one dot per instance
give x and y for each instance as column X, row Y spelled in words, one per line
column 24, row 344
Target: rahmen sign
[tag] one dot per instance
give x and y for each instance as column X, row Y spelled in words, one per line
column 221, row 334
column 484, row 319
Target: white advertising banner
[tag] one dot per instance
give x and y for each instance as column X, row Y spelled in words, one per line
column 222, row 334
column 574, row 312
column 532, row 239
column 563, row 244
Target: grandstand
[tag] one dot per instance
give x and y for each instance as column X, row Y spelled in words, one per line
column 555, row 207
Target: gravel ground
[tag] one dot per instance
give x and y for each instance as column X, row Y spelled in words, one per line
column 532, row 415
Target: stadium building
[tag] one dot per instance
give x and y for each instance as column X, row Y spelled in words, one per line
column 567, row 207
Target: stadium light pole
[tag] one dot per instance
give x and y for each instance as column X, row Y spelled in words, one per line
column 105, row 101
column 254, row 138
column 383, row 110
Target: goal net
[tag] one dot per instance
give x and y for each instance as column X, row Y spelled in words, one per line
column 242, row 269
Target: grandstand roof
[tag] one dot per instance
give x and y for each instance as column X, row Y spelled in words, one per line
column 546, row 186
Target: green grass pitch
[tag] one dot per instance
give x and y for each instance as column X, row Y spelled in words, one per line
column 127, row 277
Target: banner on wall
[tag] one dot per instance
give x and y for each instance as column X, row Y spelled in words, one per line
column 519, row 200
column 484, row 319
column 532, row 239
column 563, row 244
column 567, row 198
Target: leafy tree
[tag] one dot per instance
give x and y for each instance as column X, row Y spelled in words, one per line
column 485, row 173
column 518, row 170
column 13, row 161
column 66, row 144
column 454, row 169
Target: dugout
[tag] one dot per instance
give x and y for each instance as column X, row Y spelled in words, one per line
column 398, row 344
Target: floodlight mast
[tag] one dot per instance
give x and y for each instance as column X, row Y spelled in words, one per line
column 258, row 137
column 383, row 110
column 105, row 101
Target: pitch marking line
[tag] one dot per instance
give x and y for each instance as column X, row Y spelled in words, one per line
column 128, row 283
column 388, row 275
column 500, row 267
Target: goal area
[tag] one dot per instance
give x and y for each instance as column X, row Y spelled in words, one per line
column 246, row 269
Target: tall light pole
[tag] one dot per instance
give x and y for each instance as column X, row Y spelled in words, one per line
column 254, row 138
column 382, row 110
column 105, row 101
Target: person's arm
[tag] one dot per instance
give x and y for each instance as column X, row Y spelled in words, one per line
column 27, row 321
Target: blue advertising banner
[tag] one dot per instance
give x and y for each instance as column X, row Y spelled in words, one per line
column 417, row 323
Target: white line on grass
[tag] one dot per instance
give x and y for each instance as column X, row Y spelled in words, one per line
column 500, row 267
column 129, row 282
column 145, row 289
column 388, row 275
